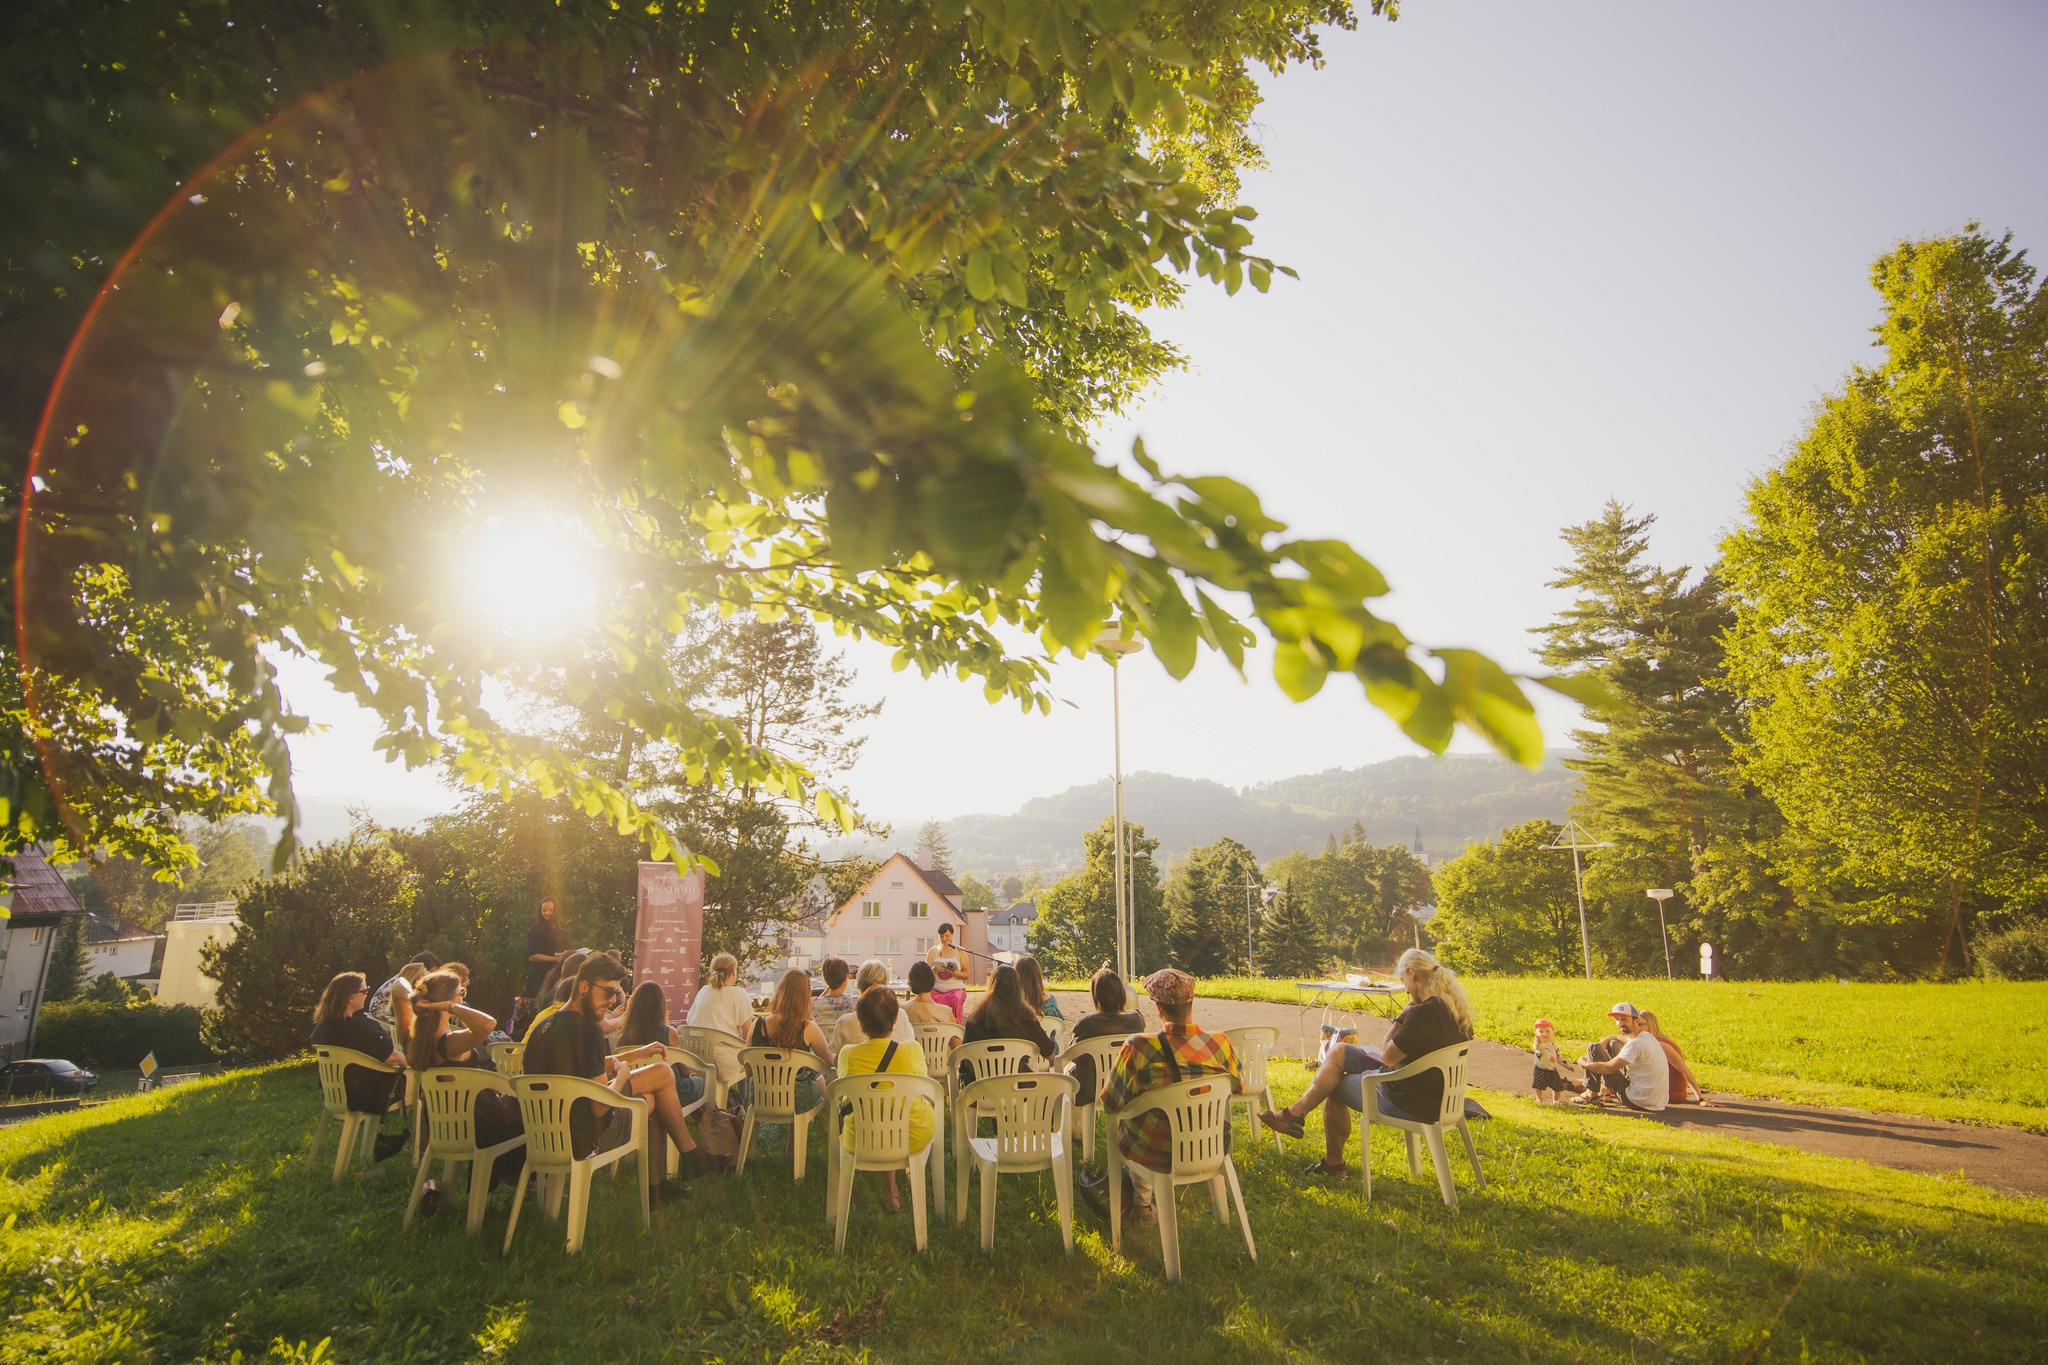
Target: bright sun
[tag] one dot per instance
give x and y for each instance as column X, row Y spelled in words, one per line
column 530, row 577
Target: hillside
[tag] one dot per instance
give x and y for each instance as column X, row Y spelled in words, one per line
column 1451, row 801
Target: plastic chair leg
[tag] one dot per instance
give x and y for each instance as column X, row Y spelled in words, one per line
column 1219, row 1199
column 988, row 1206
column 1115, row 1163
column 842, row 1207
column 479, row 1192
column 557, row 1186
column 936, row 1160
column 1063, row 1191
column 835, row 1156
column 419, row 1186
column 963, row 1130
column 1270, row 1107
column 800, row 1139
column 319, row 1133
column 579, row 1205
column 1164, row 1204
column 916, row 1176
column 518, row 1202
column 1365, row 1145
column 351, row 1135
column 1414, row 1155
column 1244, row 1215
column 1471, row 1153
column 1441, row 1159
column 1086, row 1115
column 739, row 1165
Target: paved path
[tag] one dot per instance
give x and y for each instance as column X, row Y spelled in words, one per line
column 2010, row 1160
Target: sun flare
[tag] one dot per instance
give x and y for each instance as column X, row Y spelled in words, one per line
column 531, row 577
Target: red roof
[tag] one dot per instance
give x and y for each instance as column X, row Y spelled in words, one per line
column 38, row 890
column 937, row 880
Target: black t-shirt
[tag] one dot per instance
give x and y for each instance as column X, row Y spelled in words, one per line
column 1100, row 1025
column 369, row 1092
column 1419, row 1030
column 978, row 1032
column 546, row 936
column 568, row 1043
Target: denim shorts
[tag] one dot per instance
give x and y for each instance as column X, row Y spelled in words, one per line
column 1351, row 1090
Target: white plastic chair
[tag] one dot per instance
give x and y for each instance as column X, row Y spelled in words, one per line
column 1103, row 1051
column 357, row 1129
column 1197, row 1154
column 1032, row 1114
column 1450, row 1061
column 705, row 1042
column 880, row 1105
column 448, row 1109
column 509, row 1059
column 938, row 1042
column 1254, row 1045
column 545, row 1102
column 703, row 1066
column 1057, row 1029
column 771, row 1074
column 990, row 1057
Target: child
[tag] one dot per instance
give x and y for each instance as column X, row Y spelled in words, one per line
column 1553, row 1073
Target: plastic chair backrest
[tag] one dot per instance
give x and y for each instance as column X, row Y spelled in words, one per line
column 994, row 1057
column 1058, row 1030
column 1253, row 1045
column 706, row 1041
column 544, row 1103
column 1199, row 1112
column 333, row 1061
column 1450, row 1061
column 881, row 1105
column 773, row 1071
column 938, row 1041
column 682, row 1056
column 449, row 1096
column 1104, row 1050
column 508, row 1058
column 1028, row 1109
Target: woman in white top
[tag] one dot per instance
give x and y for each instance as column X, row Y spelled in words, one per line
column 722, row 1003
column 952, row 974
column 847, row 1032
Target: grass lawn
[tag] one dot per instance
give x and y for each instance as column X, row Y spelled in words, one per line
column 184, row 1226
column 1973, row 1051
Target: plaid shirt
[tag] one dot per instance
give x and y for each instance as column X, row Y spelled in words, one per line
column 1142, row 1066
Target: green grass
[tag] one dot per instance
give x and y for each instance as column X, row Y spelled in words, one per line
column 1970, row 1051
column 185, row 1226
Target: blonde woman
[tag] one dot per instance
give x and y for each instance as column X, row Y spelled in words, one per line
column 847, row 1032
column 722, row 1003
column 1439, row 1015
column 1685, row 1087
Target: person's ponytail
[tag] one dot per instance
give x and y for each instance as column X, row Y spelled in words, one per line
column 1440, row 983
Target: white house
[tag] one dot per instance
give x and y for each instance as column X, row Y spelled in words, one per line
column 896, row 918
column 1009, row 931
column 36, row 906
column 192, row 927
column 124, row 950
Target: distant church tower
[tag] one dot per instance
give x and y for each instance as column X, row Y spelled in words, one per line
column 1420, row 856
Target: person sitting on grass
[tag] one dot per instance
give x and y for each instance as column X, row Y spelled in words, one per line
column 1439, row 1015
column 1032, row 978
column 1635, row 1070
column 448, row 1033
column 922, row 1009
column 1002, row 1013
column 878, row 1014
column 874, row 972
column 572, row 1042
column 1685, row 1087
column 835, row 1001
column 339, row 1021
column 1112, row 1018
column 1178, row 1052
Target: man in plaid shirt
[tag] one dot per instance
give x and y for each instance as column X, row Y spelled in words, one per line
column 1178, row 1052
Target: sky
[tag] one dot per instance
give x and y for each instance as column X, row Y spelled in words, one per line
column 1549, row 255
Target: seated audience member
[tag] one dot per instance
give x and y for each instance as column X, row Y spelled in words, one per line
column 788, row 1024
column 449, row 1033
column 391, row 1003
column 847, row 1032
column 339, row 1021
column 1178, row 1052
column 1112, row 1017
column 1439, row 1015
column 951, row 973
column 835, row 1001
column 722, row 1003
column 1635, row 1072
column 571, row 1042
column 878, row 1013
column 1031, row 979
column 922, row 1009
column 1002, row 1013
column 555, row 992
column 647, row 1019
column 1685, row 1087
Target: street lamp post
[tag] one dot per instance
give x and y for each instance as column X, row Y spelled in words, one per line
column 1114, row 647
column 1576, row 834
column 1661, row 894
column 1265, row 894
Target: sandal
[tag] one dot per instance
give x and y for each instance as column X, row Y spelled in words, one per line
column 1319, row 1168
column 1282, row 1122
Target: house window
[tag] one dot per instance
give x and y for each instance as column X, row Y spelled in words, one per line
column 895, row 886
column 24, row 998
column 920, row 909
column 870, row 909
column 850, row 947
column 924, row 945
column 888, row 947
column 34, row 936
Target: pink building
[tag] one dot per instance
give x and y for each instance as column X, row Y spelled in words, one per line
column 896, row 918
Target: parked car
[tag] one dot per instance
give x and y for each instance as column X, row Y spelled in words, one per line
column 46, row 1076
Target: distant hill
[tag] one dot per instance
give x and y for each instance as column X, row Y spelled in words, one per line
column 1452, row 801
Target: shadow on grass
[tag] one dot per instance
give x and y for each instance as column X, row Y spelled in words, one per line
column 188, row 1225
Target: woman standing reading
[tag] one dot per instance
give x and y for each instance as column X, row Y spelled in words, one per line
column 951, row 971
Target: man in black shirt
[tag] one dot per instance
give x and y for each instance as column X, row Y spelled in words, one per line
column 571, row 1042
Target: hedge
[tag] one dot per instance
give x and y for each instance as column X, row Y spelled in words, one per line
column 103, row 1036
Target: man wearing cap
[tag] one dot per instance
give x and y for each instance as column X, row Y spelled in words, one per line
column 1178, row 1052
column 1636, row 1070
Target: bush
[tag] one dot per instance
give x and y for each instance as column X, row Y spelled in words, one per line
column 2016, row 955
column 100, row 1035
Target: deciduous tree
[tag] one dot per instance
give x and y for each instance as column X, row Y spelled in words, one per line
column 1075, row 932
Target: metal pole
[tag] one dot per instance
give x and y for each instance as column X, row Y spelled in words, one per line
column 1249, row 968
column 1578, row 880
column 1116, row 709
column 1662, row 929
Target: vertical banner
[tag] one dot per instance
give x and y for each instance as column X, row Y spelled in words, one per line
column 668, row 933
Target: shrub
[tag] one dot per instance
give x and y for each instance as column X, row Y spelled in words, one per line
column 2017, row 954
column 103, row 1035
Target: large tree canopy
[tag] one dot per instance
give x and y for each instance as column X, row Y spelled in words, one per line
column 793, row 308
